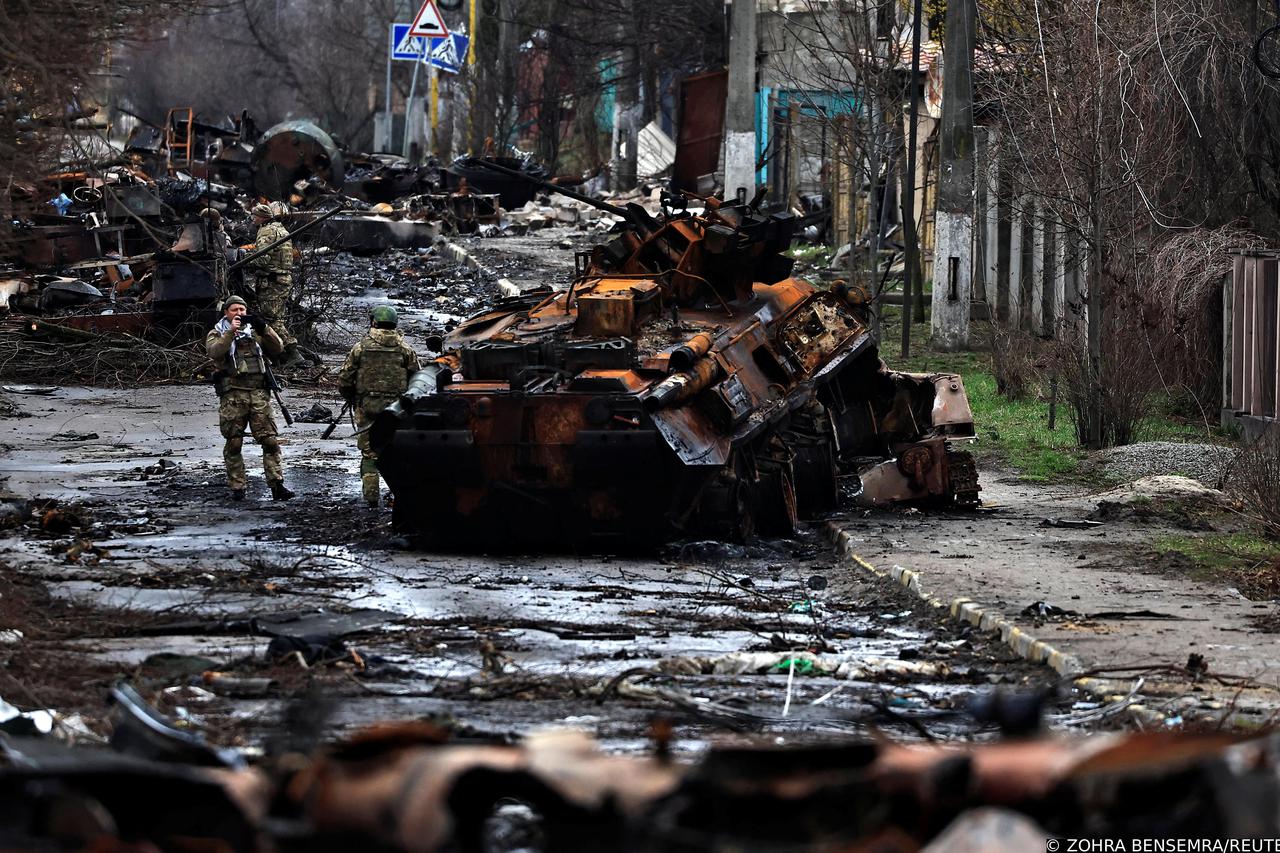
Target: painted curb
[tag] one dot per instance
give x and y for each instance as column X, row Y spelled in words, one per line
column 459, row 255
column 1019, row 641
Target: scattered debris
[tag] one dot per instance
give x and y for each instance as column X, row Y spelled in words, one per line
column 1073, row 523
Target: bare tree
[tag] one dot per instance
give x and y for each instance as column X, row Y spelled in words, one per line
column 52, row 54
column 322, row 59
column 859, row 49
column 1129, row 125
column 574, row 53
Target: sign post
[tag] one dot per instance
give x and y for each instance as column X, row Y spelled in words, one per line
column 426, row 40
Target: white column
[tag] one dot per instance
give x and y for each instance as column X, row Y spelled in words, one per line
column 1037, row 269
column 740, row 105
column 1015, row 262
column 992, row 235
column 1059, row 277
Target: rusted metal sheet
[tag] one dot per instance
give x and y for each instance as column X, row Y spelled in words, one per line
column 51, row 246
column 702, row 100
column 404, row 787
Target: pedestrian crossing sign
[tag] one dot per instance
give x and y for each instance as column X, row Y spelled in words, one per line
column 446, row 54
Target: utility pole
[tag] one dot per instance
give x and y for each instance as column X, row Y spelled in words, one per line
column 953, row 253
column 408, row 108
column 383, row 124
column 740, row 105
column 911, row 270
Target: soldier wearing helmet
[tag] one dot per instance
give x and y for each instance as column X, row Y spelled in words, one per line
column 376, row 372
column 219, row 241
column 239, row 344
column 273, row 273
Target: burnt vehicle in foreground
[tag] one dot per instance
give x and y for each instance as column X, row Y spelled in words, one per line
column 684, row 385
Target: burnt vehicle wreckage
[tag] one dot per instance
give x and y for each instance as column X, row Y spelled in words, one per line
column 120, row 247
column 684, row 383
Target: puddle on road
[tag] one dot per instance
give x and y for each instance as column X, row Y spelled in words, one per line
column 503, row 648
column 493, row 645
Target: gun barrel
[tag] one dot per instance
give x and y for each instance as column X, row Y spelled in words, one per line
column 260, row 252
column 547, row 185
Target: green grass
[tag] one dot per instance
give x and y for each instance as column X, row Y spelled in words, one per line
column 1220, row 551
column 1249, row 562
column 1017, row 431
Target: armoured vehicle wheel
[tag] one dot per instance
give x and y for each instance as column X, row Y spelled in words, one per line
column 964, row 478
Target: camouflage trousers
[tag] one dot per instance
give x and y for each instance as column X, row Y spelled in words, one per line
column 236, row 410
column 365, row 412
column 273, row 304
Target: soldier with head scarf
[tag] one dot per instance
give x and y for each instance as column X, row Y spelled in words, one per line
column 240, row 344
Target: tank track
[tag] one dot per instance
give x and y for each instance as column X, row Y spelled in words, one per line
column 964, row 477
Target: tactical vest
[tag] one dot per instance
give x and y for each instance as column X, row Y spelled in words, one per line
column 381, row 372
column 279, row 259
column 249, row 370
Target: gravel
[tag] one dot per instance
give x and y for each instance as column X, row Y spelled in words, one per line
column 1206, row 463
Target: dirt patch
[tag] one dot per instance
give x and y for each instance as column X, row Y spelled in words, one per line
column 1178, row 501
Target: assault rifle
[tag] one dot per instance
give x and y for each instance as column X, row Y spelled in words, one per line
column 274, row 387
column 333, row 424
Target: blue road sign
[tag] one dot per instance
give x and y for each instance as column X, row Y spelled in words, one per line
column 447, row 54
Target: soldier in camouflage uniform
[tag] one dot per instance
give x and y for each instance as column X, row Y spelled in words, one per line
column 274, row 278
column 376, row 372
column 243, row 397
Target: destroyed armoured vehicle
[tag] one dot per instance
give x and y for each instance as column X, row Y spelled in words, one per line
column 683, row 385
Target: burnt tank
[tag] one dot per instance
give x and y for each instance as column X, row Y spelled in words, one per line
column 684, row 385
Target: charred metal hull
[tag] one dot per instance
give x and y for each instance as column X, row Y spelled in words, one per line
column 684, row 384
column 542, row 457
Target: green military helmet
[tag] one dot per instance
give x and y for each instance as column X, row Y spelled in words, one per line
column 384, row 316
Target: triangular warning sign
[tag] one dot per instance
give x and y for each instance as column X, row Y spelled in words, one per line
column 428, row 22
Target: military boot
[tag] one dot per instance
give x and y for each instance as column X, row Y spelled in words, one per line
column 279, row 492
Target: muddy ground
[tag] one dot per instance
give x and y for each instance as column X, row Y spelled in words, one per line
column 124, row 558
